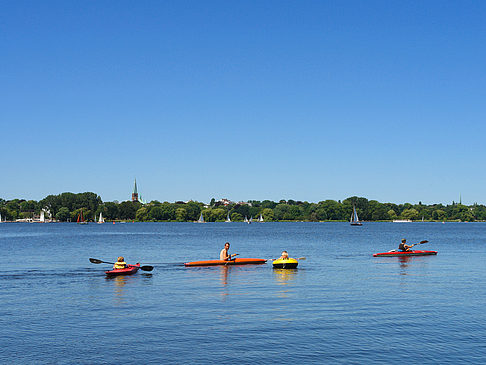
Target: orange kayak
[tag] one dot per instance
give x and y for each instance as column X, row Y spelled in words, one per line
column 238, row 261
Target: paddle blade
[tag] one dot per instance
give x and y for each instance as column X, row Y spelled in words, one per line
column 95, row 261
column 423, row 242
column 146, row 268
column 302, row 258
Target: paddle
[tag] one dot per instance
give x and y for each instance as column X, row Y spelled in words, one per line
column 143, row 268
column 420, row 243
column 231, row 258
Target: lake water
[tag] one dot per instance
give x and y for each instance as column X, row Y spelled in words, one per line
column 341, row 305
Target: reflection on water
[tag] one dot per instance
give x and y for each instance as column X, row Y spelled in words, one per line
column 283, row 276
column 224, row 274
column 120, row 282
column 403, row 262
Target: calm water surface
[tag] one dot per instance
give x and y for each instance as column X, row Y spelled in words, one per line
column 340, row 306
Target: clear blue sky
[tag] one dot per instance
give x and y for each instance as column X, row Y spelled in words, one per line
column 304, row 100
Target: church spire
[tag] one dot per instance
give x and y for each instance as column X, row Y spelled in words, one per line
column 135, row 192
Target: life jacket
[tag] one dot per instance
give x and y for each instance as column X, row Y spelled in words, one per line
column 401, row 247
column 120, row 265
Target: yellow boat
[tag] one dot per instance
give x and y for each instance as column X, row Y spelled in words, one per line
column 285, row 263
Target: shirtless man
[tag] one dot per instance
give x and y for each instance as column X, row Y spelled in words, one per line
column 224, row 254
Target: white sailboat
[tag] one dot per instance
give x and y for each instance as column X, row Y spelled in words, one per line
column 42, row 218
column 354, row 221
column 201, row 219
column 260, row 219
column 101, row 219
column 228, row 219
column 1, row 218
column 245, row 220
column 251, row 220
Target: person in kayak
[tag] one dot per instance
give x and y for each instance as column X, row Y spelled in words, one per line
column 120, row 263
column 224, row 254
column 403, row 246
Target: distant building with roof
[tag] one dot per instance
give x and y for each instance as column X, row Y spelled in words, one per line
column 135, row 192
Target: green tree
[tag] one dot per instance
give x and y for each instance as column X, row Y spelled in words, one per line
column 333, row 210
column 111, row 210
column 392, row 214
column 267, row 214
column 142, row 214
column 410, row 214
column 280, row 211
column 218, row 215
column 439, row 215
column 181, row 214
column 193, row 210
column 128, row 209
column 63, row 214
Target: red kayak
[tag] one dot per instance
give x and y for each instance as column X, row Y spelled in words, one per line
column 129, row 270
column 405, row 253
column 239, row 261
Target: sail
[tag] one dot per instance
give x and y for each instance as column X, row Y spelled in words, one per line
column 245, row 220
column 201, row 219
column 354, row 218
column 81, row 218
column 101, row 219
column 42, row 217
column 228, row 219
column 251, row 219
column 260, row 219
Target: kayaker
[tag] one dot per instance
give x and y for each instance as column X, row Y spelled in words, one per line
column 120, row 263
column 224, row 254
column 403, row 246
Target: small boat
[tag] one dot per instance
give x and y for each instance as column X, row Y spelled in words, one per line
column 354, row 221
column 101, row 219
column 201, row 219
column 251, row 220
column 404, row 253
column 228, row 219
column 245, row 220
column 285, row 263
column 1, row 218
column 129, row 270
column 238, row 261
column 260, row 218
column 81, row 218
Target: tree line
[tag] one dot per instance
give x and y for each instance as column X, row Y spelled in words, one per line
column 68, row 206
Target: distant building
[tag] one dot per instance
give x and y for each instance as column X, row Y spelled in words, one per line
column 224, row 202
column 135, row 192
column 244, row 203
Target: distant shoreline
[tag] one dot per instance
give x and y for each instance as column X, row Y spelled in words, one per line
column 89, row 207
